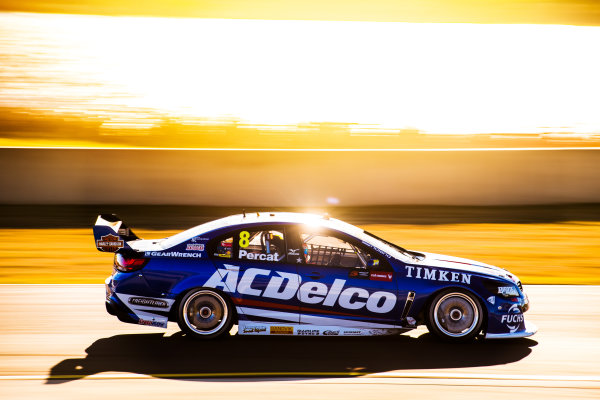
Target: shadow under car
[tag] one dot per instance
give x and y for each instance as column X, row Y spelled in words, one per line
column 177, row 356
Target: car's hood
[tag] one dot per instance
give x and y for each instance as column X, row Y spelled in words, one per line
column 463, row 264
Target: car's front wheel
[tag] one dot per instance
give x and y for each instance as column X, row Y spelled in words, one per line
column 204, row 314
column 455, row 316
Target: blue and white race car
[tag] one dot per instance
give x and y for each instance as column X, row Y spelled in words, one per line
column 303, row 274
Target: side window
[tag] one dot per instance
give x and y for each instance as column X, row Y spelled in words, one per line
column 261, row 245
column 323, row 249
column 224, row 248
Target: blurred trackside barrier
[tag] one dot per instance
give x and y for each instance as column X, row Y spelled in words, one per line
column 298, row 178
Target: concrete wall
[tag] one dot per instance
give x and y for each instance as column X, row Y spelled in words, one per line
column 291, row 178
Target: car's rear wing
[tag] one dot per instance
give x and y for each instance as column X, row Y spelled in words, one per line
column 111, row 234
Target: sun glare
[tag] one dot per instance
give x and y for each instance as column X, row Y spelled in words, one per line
column 438, row 78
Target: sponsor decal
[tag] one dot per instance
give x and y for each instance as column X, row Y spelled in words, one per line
column 145, row 301
column 110, row 243
column 147, row 322
column 492, row 299
column 293, row 252
column 513, row 318
column 172, row 254
column 331, row 333
column 358, row 274
column 381, row 276
column 376, row 249
column 195, row 247
column 508, row 291
column 287, row 285
column 381, row 332
column 411, row 321
column 281, row 330
column 124, row 232
column 255, row 329
column 307, row 332
column 258, row 256
column 437, row 274
column 199, row 239
column 352, row 333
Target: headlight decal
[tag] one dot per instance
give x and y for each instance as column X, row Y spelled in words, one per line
column 508, row 291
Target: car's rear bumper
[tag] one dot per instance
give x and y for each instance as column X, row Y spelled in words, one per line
column 530, row 329
column 145, row 313
column 115, row 307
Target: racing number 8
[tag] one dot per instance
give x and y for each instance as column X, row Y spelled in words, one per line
column 244, row 239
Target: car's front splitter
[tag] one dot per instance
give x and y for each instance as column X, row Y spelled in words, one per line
column 530, row 329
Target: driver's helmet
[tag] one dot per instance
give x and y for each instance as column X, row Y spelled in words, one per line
column 277, row 242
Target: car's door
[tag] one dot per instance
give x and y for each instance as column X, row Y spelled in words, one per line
column 252, row 266
column 345, row 283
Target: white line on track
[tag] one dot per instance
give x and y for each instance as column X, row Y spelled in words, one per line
column 442, row 375
column 465, row 149
column 384, row 375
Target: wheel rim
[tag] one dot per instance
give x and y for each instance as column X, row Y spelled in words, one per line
column 456, row 314
column 205, row 312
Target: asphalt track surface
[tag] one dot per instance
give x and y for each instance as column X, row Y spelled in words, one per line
column 58, row 342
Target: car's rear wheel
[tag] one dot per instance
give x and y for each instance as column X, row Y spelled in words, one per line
column 204, row 314
column 455, row 316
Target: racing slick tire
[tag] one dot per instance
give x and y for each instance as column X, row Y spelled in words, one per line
column 455, row 315
column 205, row 314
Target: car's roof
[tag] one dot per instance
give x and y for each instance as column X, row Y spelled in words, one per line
column 263, row 218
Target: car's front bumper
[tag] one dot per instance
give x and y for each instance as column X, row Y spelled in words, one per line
column 506, row 318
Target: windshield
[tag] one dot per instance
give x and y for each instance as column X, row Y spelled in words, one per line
column 412, row 254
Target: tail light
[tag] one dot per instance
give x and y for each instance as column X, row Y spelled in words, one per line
column 129, row 262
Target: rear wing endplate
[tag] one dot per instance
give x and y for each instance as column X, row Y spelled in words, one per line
column 111, row 234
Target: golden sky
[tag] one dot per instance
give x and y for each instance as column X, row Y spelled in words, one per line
column 562, row 12
column 363, row 62
column 437, row 78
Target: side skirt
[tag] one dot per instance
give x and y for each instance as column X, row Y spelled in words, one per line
column 282, row 329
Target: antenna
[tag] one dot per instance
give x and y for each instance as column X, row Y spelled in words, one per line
column 257, row 214
column 244, row 212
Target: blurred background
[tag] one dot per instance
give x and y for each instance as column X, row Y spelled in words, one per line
column 461, row 127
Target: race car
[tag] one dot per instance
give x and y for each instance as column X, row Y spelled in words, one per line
column 275, row 273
